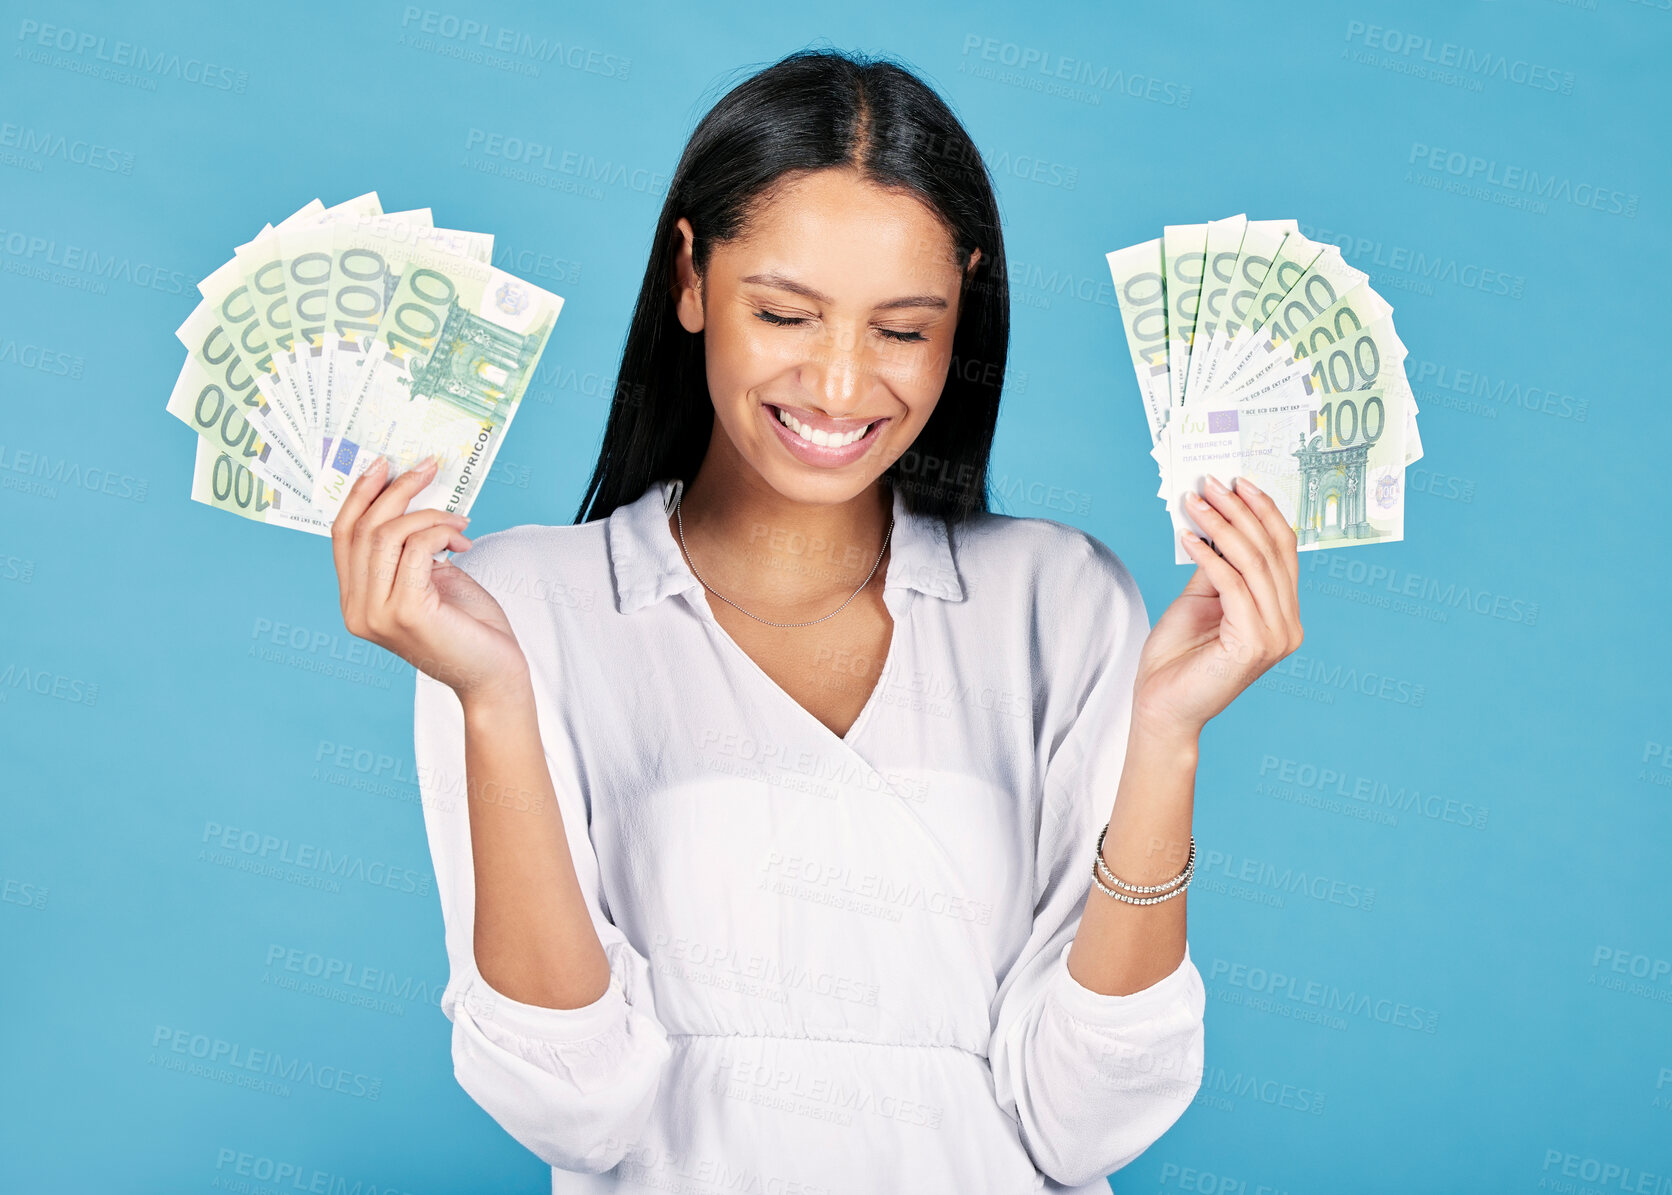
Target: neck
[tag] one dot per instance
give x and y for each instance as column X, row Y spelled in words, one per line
column 754, row 545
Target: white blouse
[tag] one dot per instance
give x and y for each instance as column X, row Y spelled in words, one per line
column 838, row 964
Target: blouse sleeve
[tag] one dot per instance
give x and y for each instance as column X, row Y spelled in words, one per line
column 575, row 1086
column 1092, row 1079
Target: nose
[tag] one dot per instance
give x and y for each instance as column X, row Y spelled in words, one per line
column 838, row 371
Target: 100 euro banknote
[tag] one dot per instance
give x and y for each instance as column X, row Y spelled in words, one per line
column 445, row 374
column 1333, row 463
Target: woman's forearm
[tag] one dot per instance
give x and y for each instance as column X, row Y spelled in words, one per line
column 1122, row 948
column 534, row 938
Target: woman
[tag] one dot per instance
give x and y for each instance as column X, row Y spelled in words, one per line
column 765, row 800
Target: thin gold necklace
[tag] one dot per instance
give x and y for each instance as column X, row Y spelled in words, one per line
column 679, row 518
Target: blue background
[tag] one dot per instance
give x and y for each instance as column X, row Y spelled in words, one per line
column 1469, row 761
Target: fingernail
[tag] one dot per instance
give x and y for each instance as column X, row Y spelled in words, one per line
column 1244, row 482
column 1197, row 499
column 1216, row 485
column 1188, row 536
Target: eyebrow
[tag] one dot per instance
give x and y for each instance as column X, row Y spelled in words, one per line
column 785, row 282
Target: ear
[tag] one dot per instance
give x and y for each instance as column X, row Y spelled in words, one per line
column 687, row 286
column 975, row 257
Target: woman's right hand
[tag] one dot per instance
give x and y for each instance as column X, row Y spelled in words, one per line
column 434, row 616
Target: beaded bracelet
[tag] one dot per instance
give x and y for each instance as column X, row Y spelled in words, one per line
column 1171, row 887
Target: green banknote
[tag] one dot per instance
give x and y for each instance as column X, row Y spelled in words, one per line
column 266, row 272
column 263, row 274
column 365, row 253
column 1183, row 249
column 211, row 345
column 238, row 310
column 1320, row 285
column 1219, row 263
column 1142, row 296
column 368, row 260
column 1335, row 467
column 343, row 333
column 222, row 481
column 1260, row 244
column 305, row 254
column 202, row 403
column 1261, row 353
column 1296, row 319
column 445, row 374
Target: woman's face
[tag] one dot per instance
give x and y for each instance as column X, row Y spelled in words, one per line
column 835, row 310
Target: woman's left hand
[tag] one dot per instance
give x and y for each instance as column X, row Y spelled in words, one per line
column 1238, row 615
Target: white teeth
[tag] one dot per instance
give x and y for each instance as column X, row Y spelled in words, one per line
column 816, row 436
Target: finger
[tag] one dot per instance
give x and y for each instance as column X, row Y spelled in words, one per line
column 412, row 577
column 398, row 495
column 1244, row 541
column 1283, row 535
column 1265, row 509
column 385, row 545
column 393, row 500
column 359, row 496
column 1224, row 577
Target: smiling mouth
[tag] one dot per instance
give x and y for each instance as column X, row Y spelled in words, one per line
column 821, row 437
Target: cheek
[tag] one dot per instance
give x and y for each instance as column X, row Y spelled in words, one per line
column 741, row 356
column 917, row 375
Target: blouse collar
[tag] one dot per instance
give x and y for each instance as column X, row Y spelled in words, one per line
column 648, row 565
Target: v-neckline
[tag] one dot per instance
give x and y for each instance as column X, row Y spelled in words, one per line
column 895, row 617
column 846, row 740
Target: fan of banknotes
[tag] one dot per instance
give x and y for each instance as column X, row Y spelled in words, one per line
column 1264, row 354
column 347, row 333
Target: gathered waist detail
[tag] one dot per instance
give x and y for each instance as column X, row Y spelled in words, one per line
column 833, row 1041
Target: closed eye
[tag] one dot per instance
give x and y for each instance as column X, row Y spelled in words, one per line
column 786, row 321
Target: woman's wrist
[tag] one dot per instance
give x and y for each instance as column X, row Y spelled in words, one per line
column 1163, row 734
column 503, row 699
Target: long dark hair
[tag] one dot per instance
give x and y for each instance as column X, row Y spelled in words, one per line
column 814, row 110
